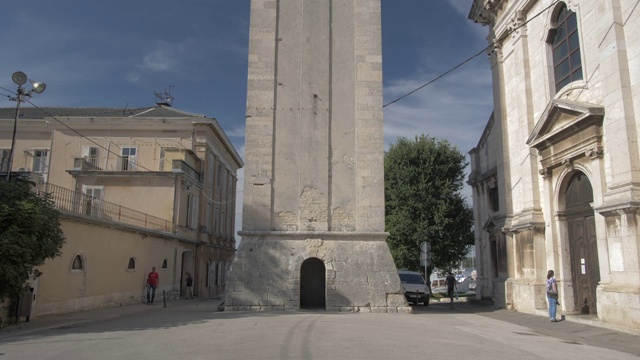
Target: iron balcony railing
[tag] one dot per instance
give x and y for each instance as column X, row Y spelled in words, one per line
column 86, row 163
column 73, row 202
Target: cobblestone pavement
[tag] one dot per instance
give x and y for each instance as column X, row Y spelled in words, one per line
column 196, row 330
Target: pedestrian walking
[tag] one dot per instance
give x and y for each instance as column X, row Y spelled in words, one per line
column 189, row 286
column 451, row 286
column 552, row 295
column 153, row 279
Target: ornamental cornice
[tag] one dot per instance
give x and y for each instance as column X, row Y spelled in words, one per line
column 517, row 24
column 485, row 11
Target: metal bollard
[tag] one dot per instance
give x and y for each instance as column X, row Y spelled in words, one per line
column 164, row 298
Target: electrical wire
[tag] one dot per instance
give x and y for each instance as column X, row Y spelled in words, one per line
column 113, row 153
column 10, row 91
column 491, row 45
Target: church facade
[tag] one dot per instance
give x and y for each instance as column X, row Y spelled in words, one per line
column 556, row 173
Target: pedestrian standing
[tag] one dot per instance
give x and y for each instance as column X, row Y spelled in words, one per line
column 189, row 286
column 552, row 295
column 153, row 279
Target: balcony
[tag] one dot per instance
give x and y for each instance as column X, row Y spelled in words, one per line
column 87, row 163
column 77, row 203
column 171, row 160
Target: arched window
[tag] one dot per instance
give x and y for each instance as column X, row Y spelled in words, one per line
column 164, row 264
column 565, row 43
column 78, row 263
column 132, row 264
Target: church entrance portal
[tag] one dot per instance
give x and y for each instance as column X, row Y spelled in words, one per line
column 585, row 268
column 312, row 284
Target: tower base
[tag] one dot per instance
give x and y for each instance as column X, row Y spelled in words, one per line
column 351, row 272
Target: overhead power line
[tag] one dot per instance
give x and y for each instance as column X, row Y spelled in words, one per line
column 111, row 152
column 492, row 44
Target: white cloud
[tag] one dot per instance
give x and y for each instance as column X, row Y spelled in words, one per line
column 161, row 58
column 463, row 7
column 455, row 108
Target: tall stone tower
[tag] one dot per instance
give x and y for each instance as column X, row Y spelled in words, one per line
column 313, row 216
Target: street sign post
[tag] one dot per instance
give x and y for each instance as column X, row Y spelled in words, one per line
column 425, row 257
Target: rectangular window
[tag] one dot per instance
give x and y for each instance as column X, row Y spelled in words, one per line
column 40, row 161
column 4, row 160
column 129, row 159
column 90, row 155
column 192, row 212
column 216, row 213
column 215, row 273
column 503, row 267
column 92, row 200
column 167, row 154
column 221, row 273
column 207, row 216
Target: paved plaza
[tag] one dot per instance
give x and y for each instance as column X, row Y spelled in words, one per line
column 196, row 330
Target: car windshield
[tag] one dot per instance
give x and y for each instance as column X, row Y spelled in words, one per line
column 411, row 278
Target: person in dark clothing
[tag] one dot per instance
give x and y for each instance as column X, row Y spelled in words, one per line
column 189, row 286
column 451, row 285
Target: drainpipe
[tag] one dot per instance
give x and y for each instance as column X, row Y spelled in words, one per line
column 175, row 203
column 46, row 181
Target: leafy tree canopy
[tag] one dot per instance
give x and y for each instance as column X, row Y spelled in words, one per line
column 423, row 180
column 30, row 233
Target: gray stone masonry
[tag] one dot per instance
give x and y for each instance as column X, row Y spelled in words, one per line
column 314, row 182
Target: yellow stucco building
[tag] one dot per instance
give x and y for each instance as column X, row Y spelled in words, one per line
column 137, row 188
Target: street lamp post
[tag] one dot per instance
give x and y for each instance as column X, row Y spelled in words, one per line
column 20, row 78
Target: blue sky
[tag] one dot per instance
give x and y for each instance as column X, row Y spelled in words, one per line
column 116, row 53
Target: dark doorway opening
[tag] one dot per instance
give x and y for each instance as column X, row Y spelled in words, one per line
column 585, row 268
column 312, row 284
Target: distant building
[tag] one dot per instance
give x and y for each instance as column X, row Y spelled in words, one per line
column 137, row 188
column 556, row 173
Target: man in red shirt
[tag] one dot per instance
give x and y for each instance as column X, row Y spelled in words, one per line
column 152, row 285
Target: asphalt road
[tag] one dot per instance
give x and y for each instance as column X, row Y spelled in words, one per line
column 194, row 330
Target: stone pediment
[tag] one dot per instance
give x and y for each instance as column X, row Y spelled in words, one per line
column 489, row 226
column 566, row 130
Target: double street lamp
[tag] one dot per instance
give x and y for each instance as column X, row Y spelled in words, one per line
column 20, row 78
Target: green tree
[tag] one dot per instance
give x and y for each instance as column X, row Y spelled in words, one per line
column 30, row 233
column 423, row 179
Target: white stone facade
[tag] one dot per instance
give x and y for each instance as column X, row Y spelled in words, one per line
column 314, row 184
column 556, row 174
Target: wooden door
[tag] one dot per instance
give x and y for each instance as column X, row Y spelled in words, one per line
column 585, row 268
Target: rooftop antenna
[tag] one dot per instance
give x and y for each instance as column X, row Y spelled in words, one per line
column 164, row 99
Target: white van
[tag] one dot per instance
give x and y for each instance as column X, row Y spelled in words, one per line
column 415, row 289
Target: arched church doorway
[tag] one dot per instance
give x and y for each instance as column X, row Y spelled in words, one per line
column 312, row 284
column 583, row 248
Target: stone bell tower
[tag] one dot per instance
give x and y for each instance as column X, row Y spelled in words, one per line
column 313, row 215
